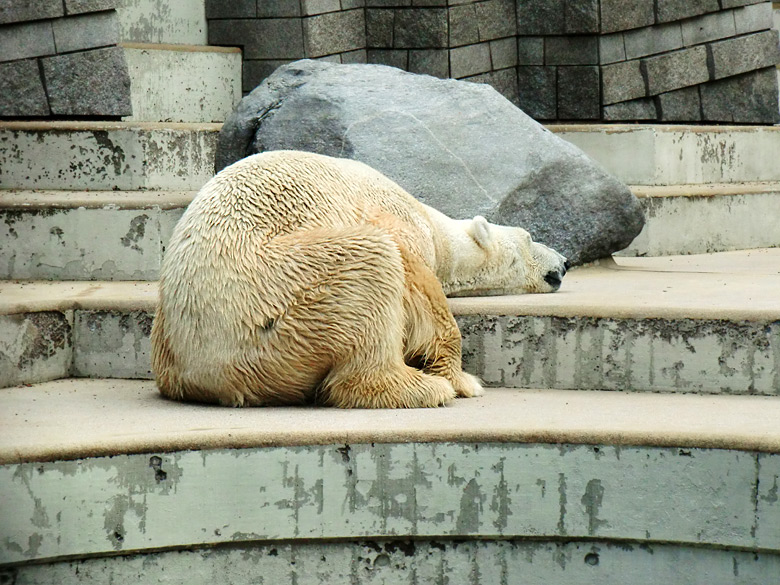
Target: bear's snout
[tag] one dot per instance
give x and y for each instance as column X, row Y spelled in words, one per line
column 555, row 277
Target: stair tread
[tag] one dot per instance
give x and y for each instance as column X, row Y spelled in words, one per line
column 739, row 285
column 96, row 417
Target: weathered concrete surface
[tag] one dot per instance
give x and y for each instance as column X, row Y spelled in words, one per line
column 705, row 324
column 698, row 219
column 106, row 155
column 162, row 21
column 640, row 154
column 351, row 485
column 35, row 347
column 112, row 344
column 457, row 146
column 86, row 235
column 175, row 83
column 433, row 562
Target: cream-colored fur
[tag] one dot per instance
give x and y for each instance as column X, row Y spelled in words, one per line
column 294, row 277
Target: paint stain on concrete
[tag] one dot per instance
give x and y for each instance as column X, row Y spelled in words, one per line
column 592, row 500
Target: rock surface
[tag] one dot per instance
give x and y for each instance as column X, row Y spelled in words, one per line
column 458, row 146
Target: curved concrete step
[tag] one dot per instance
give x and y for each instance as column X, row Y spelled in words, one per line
column 701, row 324
column 655, row 154
column 698, row 219
column 106, row 155
column 121, row 235
column 120, row 470
column 182, row 83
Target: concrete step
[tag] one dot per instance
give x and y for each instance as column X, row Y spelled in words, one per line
column 182, row 83
column 162, row 21
column 584, row 487
column 697, row 219
column 121, row 235
column 649, row 154
column 705, row 324
column 106, row 155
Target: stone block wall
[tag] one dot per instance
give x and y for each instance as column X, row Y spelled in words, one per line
column 663, row 60
column 610, row 60
column 59, row 58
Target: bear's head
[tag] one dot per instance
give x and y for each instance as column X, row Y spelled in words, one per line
column 505, row 261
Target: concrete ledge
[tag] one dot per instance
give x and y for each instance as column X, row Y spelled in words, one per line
column 650, row 154
column 97, row 417
column 547, row 465
column 106, row 155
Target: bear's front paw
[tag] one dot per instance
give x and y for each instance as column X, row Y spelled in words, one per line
column 467, row 386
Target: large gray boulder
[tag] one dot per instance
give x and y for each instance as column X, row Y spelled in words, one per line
column 458, row 146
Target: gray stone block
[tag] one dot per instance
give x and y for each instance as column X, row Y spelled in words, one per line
column 430, row 2
column 652, row 40
column 617, row 15
column 751, row 98
column 244, row 8
column 496, row 19
column 312, row 7
column 393, row 58
column 22, row 90
column 420, row 28
column 612, row 48
column 430, row 62
column 571, row 50
column 581, row 16
column 469, row 60
column 271, row 38
column 708, row 27
column 82, row 6
column 358, row 56
column 634, row 110
column 516, row 172
column 753, row 18
column 743, row 54
column 463, row 25
column 530, row 50
column 537, row 92
column 388, row 3
column 668, row 10
column 253, row 72
column 89, row 83
column 541, row 17
column 676, row 70
column 379, row 28
column 579, row 95
column 86, row 31
column 503, row 53
column 735, row 3
column 622, row 82
column 23, row 10
column 504, row 82
column 277, row 8
column 335, row 32
column 682, row 105
column 25, row 40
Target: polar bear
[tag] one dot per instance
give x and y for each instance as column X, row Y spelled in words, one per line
column 295, row 278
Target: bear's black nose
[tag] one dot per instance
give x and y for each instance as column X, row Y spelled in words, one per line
column 553, row 279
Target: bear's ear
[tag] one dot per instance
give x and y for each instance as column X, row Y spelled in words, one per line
column 479, row 230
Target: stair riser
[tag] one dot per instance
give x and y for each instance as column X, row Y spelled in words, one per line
column 653, row 355
column 85, row 244
column 433, row 562
column 162, row 21
column 107, row 158
column 327, row 492
column 680, row 155
column 183, row 85
column 675, row 355
column 37, row 347
column 128, row 244
column 704, row 224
